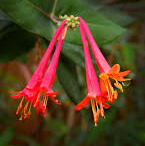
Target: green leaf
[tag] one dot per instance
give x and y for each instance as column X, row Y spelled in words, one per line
column 6, row 136
column 36, row 16
column 112, row 12
column 96, row 131
column 55, row 125
column 28, row 140
column 117, row 16
column 74, row 53
column 128, row 55
column 15, row 42
column 4, row 20
column 68, row 79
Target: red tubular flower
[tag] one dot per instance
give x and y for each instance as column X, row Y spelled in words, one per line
column 29, row 92
column 94, row 93
column 47, row 82
column 106, row 71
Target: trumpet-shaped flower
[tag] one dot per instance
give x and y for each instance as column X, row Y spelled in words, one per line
column 46, row 86
column 106, row 71
column 94, row 95
column 29, row 92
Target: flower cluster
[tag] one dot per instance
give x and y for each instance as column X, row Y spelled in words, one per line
column 39, row 88
column 42, row 79
column 99, row 95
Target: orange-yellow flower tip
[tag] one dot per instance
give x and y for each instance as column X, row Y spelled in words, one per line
column 27, row 115
column 103, row 76
column 96, row 124
column 20, row 119
column 115, row 94
column 26, row 111
column 115, row 69
column 124, row 73
column 119, row 86
column 64, row 34
column 96, row 117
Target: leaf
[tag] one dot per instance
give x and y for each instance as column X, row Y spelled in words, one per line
column 128, row 55
column 114, row 13
column 37, row 17
column 68, row 79
column 4, row 20
column 95, row 131
column 58, row 126
column 74, row 53
column 14, row 43
column 117, row 16
column 6, row 136
column 28, row 140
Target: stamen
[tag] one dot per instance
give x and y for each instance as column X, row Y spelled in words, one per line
column 115, row 94
column 108, row 86
column 37, row 100
column 24, row 110
column 95, row 112
column 29, row 112
column 108, row 90
column 45, row 101
column 118, row 85
column 20, row 106
column 102, row 110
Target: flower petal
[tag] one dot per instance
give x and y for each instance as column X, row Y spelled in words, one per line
column 115, row 69
column 83, row 103
column 55, row 100
column 124, row 73
column 105, row 105
column 16, row 96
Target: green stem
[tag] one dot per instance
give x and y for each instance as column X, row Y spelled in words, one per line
column 54, row 7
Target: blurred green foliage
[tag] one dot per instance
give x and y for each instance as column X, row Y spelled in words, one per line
column 119, row 29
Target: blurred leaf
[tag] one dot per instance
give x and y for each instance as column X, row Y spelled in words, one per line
column 112, row 12
column 136, row 9
column 74, row 53
column 28, row 140
column 42, row 22
column 56, row 125
column 68, row 79
column 23, row 58
column 8, row 77
column 5, row 118
column 79, row 139
column 6, row 136
column 117, row 16
column 95, row 131
column 4, row 20
column 128, row 55
column 14, row 43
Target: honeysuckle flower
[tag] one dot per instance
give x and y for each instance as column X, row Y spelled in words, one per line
column 94, row 95
column 106, row 71
column 46, row 86
column 29, row 92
